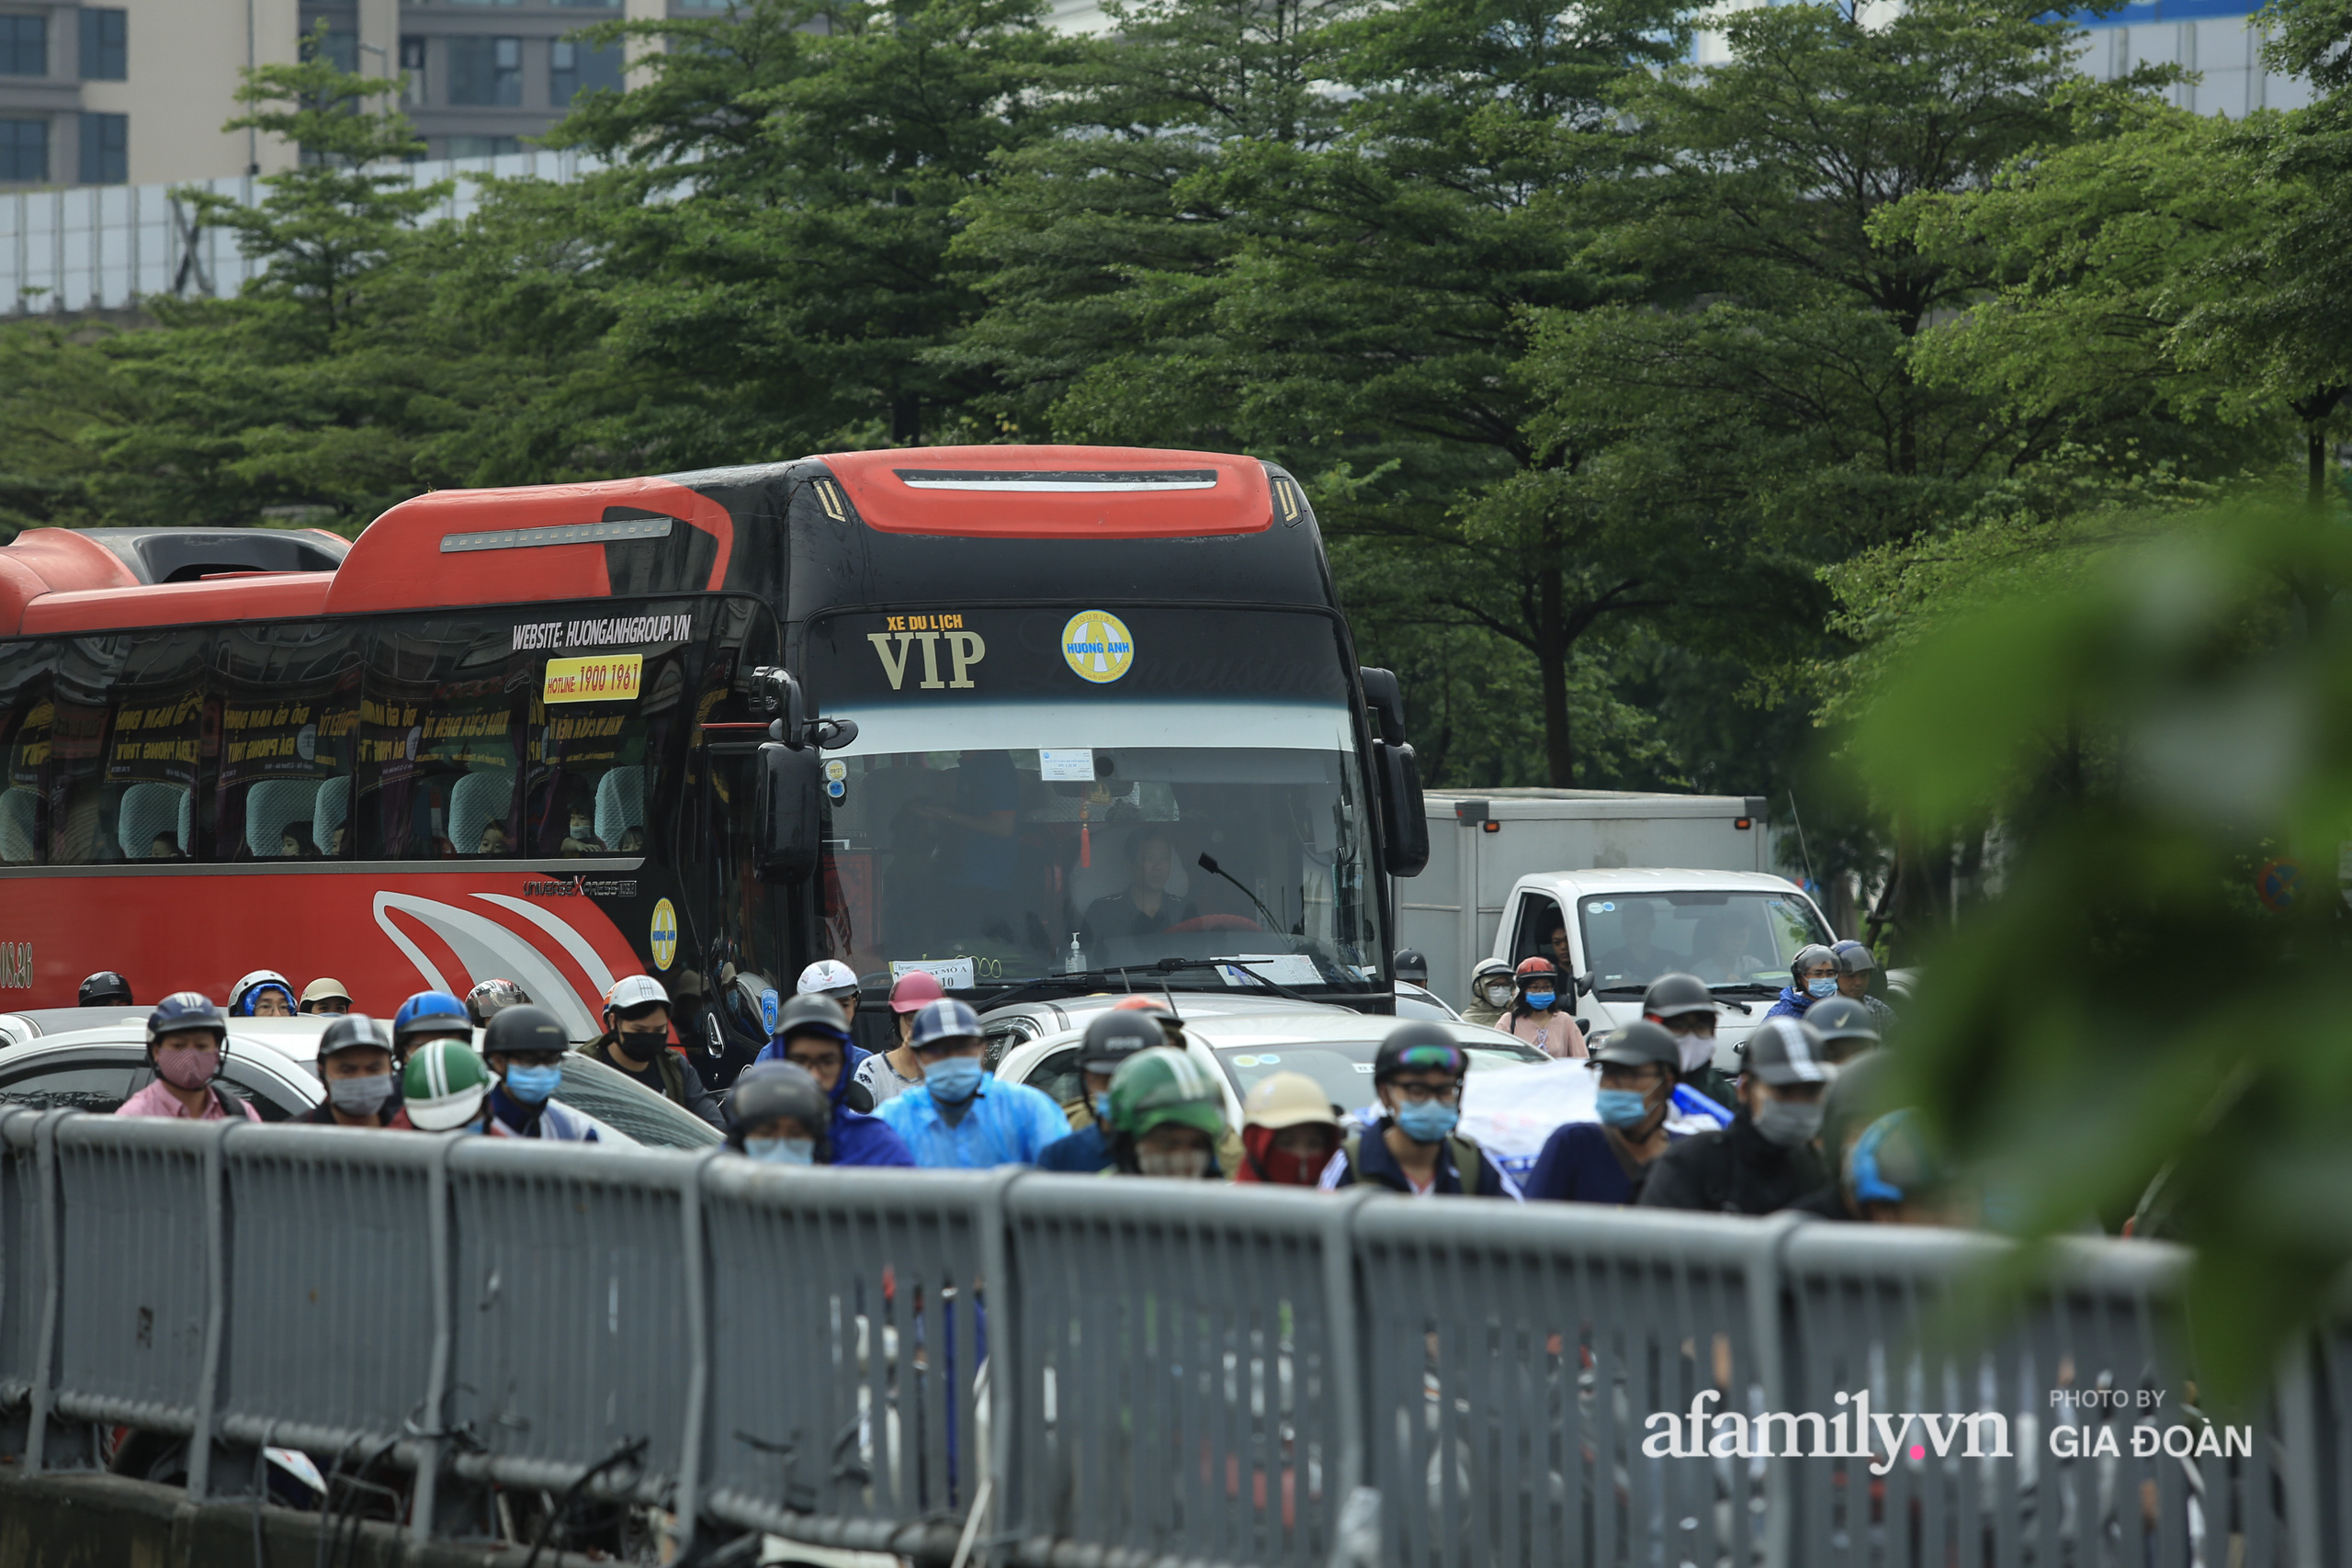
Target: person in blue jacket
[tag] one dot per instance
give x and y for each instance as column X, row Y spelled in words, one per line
column 813, row 1033
column 1605, row 1161
column 1111, row 1039
column 961, row 1117
column 1813, row 975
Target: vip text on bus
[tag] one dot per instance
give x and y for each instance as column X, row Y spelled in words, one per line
column 1033, row 719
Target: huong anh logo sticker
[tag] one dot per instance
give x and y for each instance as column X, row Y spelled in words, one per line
column 1096, row 645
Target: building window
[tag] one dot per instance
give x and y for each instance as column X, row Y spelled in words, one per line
column 574, row 67
column 412, row 80
column 486, row 71
column 589, row 4
column 106, row 44
column 24, row 151
column 484, row 146
column 106, row 148
column 24, row 48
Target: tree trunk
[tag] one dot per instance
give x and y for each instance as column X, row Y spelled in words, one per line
column 1552, row 659
column 2315, row 461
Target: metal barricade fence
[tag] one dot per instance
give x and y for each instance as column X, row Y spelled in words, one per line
column 1086, row 1373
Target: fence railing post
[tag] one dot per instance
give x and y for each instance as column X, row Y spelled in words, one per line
column 1344, row 1307
column 698, row 1342
column 52, row 1284
column 1766, row 1328
column 216, row 1314
column 433, row 1444
column 1001, row 1300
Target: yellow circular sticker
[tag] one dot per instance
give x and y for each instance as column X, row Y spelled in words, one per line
column 1096, row 645
column 665, row 934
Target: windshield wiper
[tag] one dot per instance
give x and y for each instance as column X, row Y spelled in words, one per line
column 1175, row 965
column 1044, row 983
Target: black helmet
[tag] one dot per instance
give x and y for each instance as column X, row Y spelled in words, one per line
column 1846, row 1026
column 770, row 1089
column 1853, row 958
column 1417, row 1047
column 1639, row 1044
column 1671, row 995
column 491, row 998
column 104, row 989
column 1411, row 966
column 1807, row 956
column 1785, row 1051
column 812, row 1010
column 526, row 1028
column 1117, row 1034
column 351, row 1031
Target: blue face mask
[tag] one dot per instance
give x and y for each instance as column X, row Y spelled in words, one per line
column 1426, row 1120
column 1539, row 1000
column 953, row 1079
column 533, row 1085
column 1621, row 1107
column 782, row 1151
column 1824, row 987
column 1102, row 1108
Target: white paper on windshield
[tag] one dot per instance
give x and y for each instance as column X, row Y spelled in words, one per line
column 953, row 974
column 1066, row 767
column 1282, row 968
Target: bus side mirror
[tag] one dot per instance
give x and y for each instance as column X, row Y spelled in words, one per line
column 790, row 820
column 1384, row 695
column 1404, row 819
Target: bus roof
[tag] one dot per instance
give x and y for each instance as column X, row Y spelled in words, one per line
column 456, row 547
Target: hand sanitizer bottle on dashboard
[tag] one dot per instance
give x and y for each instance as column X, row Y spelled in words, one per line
column 1077, row 965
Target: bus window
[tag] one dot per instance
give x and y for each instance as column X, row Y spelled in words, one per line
column 128, row 725
column 84, row 819
column 441, row 739
column 289, row 721
column 27, row 715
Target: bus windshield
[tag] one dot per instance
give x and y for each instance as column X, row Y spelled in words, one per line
column 997, row 842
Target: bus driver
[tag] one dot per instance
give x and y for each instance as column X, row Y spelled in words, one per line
column 1145, row 909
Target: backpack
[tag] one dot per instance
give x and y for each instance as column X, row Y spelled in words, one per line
column 1469, row 1163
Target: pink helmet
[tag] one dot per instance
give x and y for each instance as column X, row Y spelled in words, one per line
column 915, row 989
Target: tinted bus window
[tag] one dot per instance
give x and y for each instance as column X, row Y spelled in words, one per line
column 82, row 829
column 477, row 738
column 155, row 747
column 290, row 728
column 27, row 715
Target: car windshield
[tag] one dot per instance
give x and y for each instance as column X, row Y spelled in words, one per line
column 1342, row 1067
column 1725, row 939
column 999, row 842
column 611, row 1098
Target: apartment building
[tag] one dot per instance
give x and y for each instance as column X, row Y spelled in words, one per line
column 136, row 92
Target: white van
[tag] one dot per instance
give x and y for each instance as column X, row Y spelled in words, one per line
column 1737, row 930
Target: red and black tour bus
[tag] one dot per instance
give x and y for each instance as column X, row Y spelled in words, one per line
column 1002, row 712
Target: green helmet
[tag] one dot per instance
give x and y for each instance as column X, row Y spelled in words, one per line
column 1155, row 1088
column 444, row 1084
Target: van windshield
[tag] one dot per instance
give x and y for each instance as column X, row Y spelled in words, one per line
column 1725, row 939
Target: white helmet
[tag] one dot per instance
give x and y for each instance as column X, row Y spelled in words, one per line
column 240, row 995
column 827, row 976
column 632, row 992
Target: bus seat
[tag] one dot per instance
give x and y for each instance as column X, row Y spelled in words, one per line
column 476, row 801
column 17, row 821
column 270, row 807
column 149, row 810
column 330, row 810
column 620, row 804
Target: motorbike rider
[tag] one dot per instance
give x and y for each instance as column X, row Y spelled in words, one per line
column 265, row 993
column 1111, row 1039
column 1847, row 1027
column 1765, row 1159
column 635, row 1043
column 490, row 998
column 1607, row 1161
column 1684, row 1008
column 781, row 1115
column 813, row 1035
column 833, row 979
column 186, row 1038
column 1416, row 1147
column 104, row 989
column 356, row 1065
column 886, row 1075
column 445, row 1087
column 325, row 996
column 1167, row 1117
column 1812, row 977
column 961, row 1117
column 1538, row 1011
column 1490, row 994
column 428, row 1015
column 1857, row 977
column 523, row 1048
column 1290, row 1131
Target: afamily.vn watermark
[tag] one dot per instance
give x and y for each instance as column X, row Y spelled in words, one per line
column 1885, row 1437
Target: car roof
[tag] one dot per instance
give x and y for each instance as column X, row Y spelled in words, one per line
column 271, row 1053
column 1660, row 879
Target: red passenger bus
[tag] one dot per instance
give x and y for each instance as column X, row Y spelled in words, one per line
column 1002, row 712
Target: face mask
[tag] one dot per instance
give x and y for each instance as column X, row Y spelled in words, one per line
column 953, row 1079
column 533, row 1085
column 1788, row 1123
column 360, row 1096
column 1102, row 1108
column 782, row 1151
column 1426, row 1120
column 644, row 1046
column 1824, row 987
column 188, row 1067
column 1183, row 1164
column 1499, row 996
column 1539, row 1000
column 1621, row 1107
column 1698, row 1050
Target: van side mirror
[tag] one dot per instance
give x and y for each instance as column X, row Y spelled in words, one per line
column 1385, row 697
column 790, row 820
column 1403, row 819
